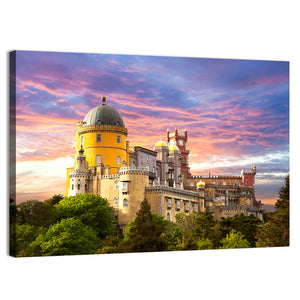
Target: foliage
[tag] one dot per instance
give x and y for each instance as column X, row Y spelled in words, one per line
column 234, row 240
column 208, row 228
column 144, row 235
column 55, row 199
column 68, row 237
column 92, row 210
column 204, row 244
column 25, row 235
column 198, row 227
column 36, row 213
column 246, row 225
column 275, row 231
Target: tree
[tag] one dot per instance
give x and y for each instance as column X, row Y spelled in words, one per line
column 246, row 225
column 67, row 237
column 187, row 225
column 25, row 235
column 234, row 240
column 204, row 244
column 55, row 199
column 275, row 231
column 208, row 228
column 34, row 212
column 92, row 210
column 144, row 234
column 197, row 228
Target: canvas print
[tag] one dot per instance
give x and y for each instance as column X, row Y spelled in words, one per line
column 129, row 153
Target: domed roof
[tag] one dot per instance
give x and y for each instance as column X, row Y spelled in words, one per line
column 103, row 115
column 173, row 148
column 200, row 184
column 160, row 144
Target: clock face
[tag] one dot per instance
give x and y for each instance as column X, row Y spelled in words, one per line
column 180, row 142
column 248, row 201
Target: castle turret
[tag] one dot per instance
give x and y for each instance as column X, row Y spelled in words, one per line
column 162, row 155
column 79, row 177
column 102, row 135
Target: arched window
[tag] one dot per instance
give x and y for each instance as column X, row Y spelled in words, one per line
column 168, row 216
column 125, row 203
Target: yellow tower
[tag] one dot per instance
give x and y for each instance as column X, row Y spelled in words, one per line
column 102, row 136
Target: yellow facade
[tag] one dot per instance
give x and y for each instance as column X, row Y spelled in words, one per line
column 105, row 141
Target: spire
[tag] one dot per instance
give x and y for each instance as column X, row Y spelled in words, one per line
column 81, row 151
column 103, row 100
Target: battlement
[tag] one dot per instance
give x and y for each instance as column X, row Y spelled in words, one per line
column 163, row 188
column 79, row 173
column 133, row 171
column 110, row 176
column 215, row 176
column 235, row 208
column 95, row 128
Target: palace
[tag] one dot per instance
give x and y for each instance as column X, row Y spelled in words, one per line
column 106, row 165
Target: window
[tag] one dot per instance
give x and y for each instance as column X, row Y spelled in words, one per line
column 187, row 206
column 116, row 201
column 78, row 187
column 168, row 216
column 72, row 186
column 118, row 139
column 118, row 160
column 169, row 202
column 116, row 185
column 195, row 207
column 124, row 186
column 99, row 138
column 125, row 203
column 98, row 159
column 178, row 204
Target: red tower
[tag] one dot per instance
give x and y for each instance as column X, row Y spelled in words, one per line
column 179, row 139
column 248, row 176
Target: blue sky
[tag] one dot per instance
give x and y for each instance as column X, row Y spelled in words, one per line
column 236, row 112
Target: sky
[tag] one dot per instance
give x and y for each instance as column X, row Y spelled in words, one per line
column 236, row 113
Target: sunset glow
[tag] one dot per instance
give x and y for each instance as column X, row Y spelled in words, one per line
column 236, row 113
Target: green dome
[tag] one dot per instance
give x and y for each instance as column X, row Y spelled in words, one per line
column 103, row 115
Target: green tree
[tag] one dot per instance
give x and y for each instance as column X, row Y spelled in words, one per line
column 55, row 199
column 34, row 212
column 197, row 228
column 247, row 225
column 92, row 210
column 208, row 228
column 187, row 225
column 25, row 235
column 204, row 244
column 67, row 237
column 234, row 240
column 144, row 234
column 275, row 231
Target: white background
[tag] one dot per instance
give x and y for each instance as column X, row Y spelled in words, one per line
column 266, row 30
